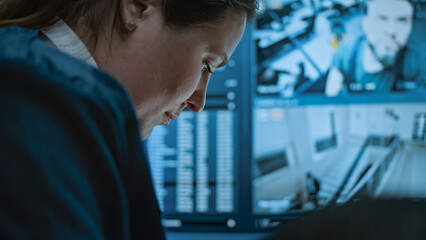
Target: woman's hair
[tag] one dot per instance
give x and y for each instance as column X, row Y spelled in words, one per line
column 199, row 12
column 95, row 13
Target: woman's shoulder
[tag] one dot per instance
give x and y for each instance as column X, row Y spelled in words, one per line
column 22, row 48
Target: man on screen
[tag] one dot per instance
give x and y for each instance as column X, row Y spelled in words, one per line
column 376, row 60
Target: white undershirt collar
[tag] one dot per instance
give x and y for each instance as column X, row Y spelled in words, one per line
column 64, row 38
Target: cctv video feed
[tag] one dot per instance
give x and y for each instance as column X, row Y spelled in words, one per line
column 310, row 157
column 340, row 47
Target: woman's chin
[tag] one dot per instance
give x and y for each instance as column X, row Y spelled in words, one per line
column 146, row 131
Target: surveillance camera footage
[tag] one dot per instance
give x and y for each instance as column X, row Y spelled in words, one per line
column 340, row 48
column 310, row 157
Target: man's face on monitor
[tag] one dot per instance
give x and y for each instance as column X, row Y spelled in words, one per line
column 387, row 27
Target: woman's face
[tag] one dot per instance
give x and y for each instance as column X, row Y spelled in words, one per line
column 166, row 69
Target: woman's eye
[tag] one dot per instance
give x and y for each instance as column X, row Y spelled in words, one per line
column 207, row 67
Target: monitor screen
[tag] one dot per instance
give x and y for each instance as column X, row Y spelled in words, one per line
column 322, row 103
column 307, row 157
column 340, row 47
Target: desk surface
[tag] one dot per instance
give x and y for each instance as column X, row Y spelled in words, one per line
column 216, row 236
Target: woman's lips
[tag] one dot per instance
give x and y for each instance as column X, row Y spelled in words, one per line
column 172, row 116
column 169, row 117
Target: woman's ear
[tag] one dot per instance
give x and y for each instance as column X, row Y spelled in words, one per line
column 134, row 11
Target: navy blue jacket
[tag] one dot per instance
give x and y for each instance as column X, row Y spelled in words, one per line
column 72, row 163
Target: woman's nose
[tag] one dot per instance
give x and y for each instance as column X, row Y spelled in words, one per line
column 197, row 100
